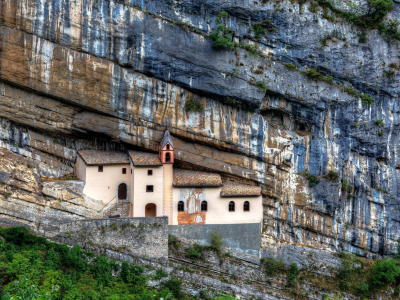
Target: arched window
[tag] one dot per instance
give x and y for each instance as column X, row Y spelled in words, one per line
column 167, row 147
column 246, row 206
column 231, row 206
column 168, row 157
column 204, row 206
column 181, row 206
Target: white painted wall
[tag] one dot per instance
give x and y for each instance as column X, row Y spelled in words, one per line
column 218, row 208
column 80, row 168
column 131, row 190
column 140, row 196
column 103, row 185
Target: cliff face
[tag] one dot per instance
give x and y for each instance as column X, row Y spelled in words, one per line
column 113, row 75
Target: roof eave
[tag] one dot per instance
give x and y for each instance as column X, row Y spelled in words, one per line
column 239, row 196
column 196, row 186
column 147, row 165
column 108, row 164
column 82, row 158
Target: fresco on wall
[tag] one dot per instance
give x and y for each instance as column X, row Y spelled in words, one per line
column 192, row 213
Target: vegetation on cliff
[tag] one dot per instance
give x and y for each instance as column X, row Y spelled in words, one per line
column 32, row 268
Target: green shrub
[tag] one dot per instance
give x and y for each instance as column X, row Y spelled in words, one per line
column 362, row 37
column 175, row 286
column 261, row 86
column 366, row 100
column 373, row 19
column 173, row 242
column 379, row 122
column 258, row 29
column 26, row 290
column 312, row 180
column 290, row 67
column 273, row 267
column 385, row 271
column 380, row 133
column 292, row 275
column 33, row 268
column 350, row 265
column 389, row 73
column 222, row 36
column 193, row 105
column 160, row 274
column 345, row 186
column 362, row 287
column 216, row 241
column 314, row 74
column 196, row 251
column 332, row 175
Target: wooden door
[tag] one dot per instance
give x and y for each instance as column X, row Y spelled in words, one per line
column 122, row 191
column 151, row 210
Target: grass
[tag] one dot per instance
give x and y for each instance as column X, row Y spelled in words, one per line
column 65, row 177
column 314, row 74
column 290, row 67
column 260, row 85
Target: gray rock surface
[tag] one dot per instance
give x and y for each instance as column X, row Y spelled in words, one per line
column 113, row 75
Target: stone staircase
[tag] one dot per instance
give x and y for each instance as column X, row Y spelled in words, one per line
column 120, row 208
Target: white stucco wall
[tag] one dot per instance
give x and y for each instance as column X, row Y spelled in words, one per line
column 80, row 168
column 218, row 208
column 141, row 197
column 131, row 190
column 103, row 185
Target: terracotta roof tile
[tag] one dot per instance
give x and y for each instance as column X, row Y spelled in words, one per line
column 231, row 189
column 196, row 178
column 98, row 157
column 144, row 158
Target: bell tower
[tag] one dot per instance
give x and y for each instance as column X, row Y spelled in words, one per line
column 166, row 149
column 166, row 154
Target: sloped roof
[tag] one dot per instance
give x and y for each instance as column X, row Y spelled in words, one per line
column 166, row 139
column 191, row 178
column 144, row 158
column 99, row 157
column 232, row 189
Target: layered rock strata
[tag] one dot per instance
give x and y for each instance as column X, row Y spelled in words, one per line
column 112, row 75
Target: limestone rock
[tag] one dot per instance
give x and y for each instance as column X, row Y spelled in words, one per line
column 112, row 76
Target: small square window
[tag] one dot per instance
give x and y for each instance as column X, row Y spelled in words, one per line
column 149, row 172
column 123, row 170
column 149, row 188
column 100, row 168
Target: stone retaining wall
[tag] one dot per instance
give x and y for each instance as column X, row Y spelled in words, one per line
column 134, row 237
column 242, row 238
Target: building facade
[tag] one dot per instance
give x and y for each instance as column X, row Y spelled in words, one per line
column 153, row 187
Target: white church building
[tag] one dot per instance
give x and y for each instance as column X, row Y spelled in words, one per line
column 151, row 186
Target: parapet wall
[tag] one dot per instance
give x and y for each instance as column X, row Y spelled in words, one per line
column 243, row 238
column 145, row 238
